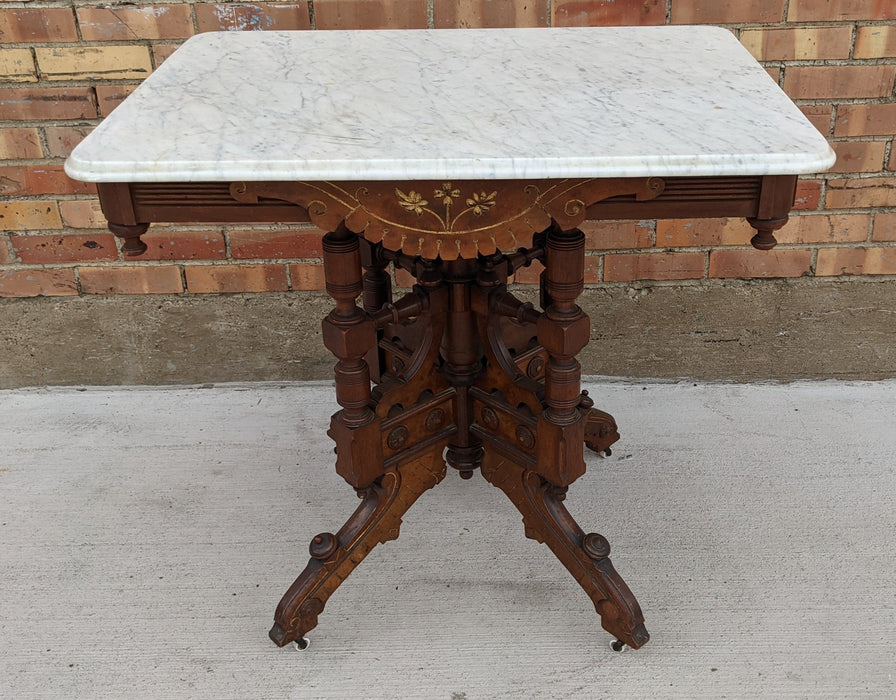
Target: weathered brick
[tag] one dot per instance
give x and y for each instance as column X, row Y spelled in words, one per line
column 892, row 164
column 860, row 193
column 808, row 195
column 161, row 53
column 884, row 227
column 856, row 261
column 677, row 233
column 30, row 215
column 592, row 269
column 726, row 11
column 38, row 283
column 31, row 25
column 108, row 97
column 307, row 276
column 19, row 143
column 825, row 228
column 122, row 23
column 877, row 41
column 595, row 13
column 5, row 256
column 628, row 267
column 82, row 213
column 144, row 279
column 865, row 120
column 820, row 116
column 529, row 275
column 17, row 66
column 202, row 279
column 774, row 73
column 370, row 14
column 746, row 264
column 858, row 156
column 489, row 13
column 835, row 10
column 62, row 139
column 613, row 235
column 532, row 274
column 47, row 103
column 275, row 244
column 184, row 245
column 802, row 43
column 93, row 62
column 19, row 180
column 819, row 82
column 243, row 17
column 64, row 248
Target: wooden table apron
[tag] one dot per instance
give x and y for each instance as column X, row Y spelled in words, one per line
column 457, row 371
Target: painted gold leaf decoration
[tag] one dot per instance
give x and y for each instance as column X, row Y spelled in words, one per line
column 460, row 220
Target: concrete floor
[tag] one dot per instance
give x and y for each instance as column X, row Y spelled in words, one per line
column 147, row 535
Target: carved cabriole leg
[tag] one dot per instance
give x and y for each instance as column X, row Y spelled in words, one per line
column 534, row 483
column 350, row 334
column 563, row 332
column 546, row 520
column 334, row 557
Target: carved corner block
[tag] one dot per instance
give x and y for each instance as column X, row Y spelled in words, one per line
column 560, row 451
column 562, row 337
column 359, row 452
column 350, row 340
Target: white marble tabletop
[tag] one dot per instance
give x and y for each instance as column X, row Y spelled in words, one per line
column 454, row 104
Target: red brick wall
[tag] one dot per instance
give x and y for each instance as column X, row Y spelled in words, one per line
column 65, row 65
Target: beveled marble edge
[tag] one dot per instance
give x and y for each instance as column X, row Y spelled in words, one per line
column 213, row 76
column 456, row 169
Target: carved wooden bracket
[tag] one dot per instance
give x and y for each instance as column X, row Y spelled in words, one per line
column 451, row 220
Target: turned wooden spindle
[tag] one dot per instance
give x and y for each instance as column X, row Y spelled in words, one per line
column 350, row 334
column 376, row 283
column 462, row 354
column 563, row 332
column 377, row 293
column 563, row 329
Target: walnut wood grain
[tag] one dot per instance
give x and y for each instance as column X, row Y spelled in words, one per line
column 448, row 219
column 334, row 557
column 546, row 520
column 457, row 372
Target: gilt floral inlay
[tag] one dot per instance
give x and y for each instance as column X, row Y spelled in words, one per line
column 448, row 219
column 447, row 193
column 478, row 203
column 412, row 201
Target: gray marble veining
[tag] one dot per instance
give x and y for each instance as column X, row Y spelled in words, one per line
column 454, row 104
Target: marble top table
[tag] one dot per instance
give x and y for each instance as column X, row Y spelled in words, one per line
column 460, row 157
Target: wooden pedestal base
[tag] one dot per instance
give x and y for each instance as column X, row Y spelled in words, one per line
column 459, row 372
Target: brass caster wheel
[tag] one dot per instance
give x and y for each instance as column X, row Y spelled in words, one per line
column 617, row 645
column 302, row 643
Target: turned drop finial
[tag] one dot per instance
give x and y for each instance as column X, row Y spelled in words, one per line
column 765, row 236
